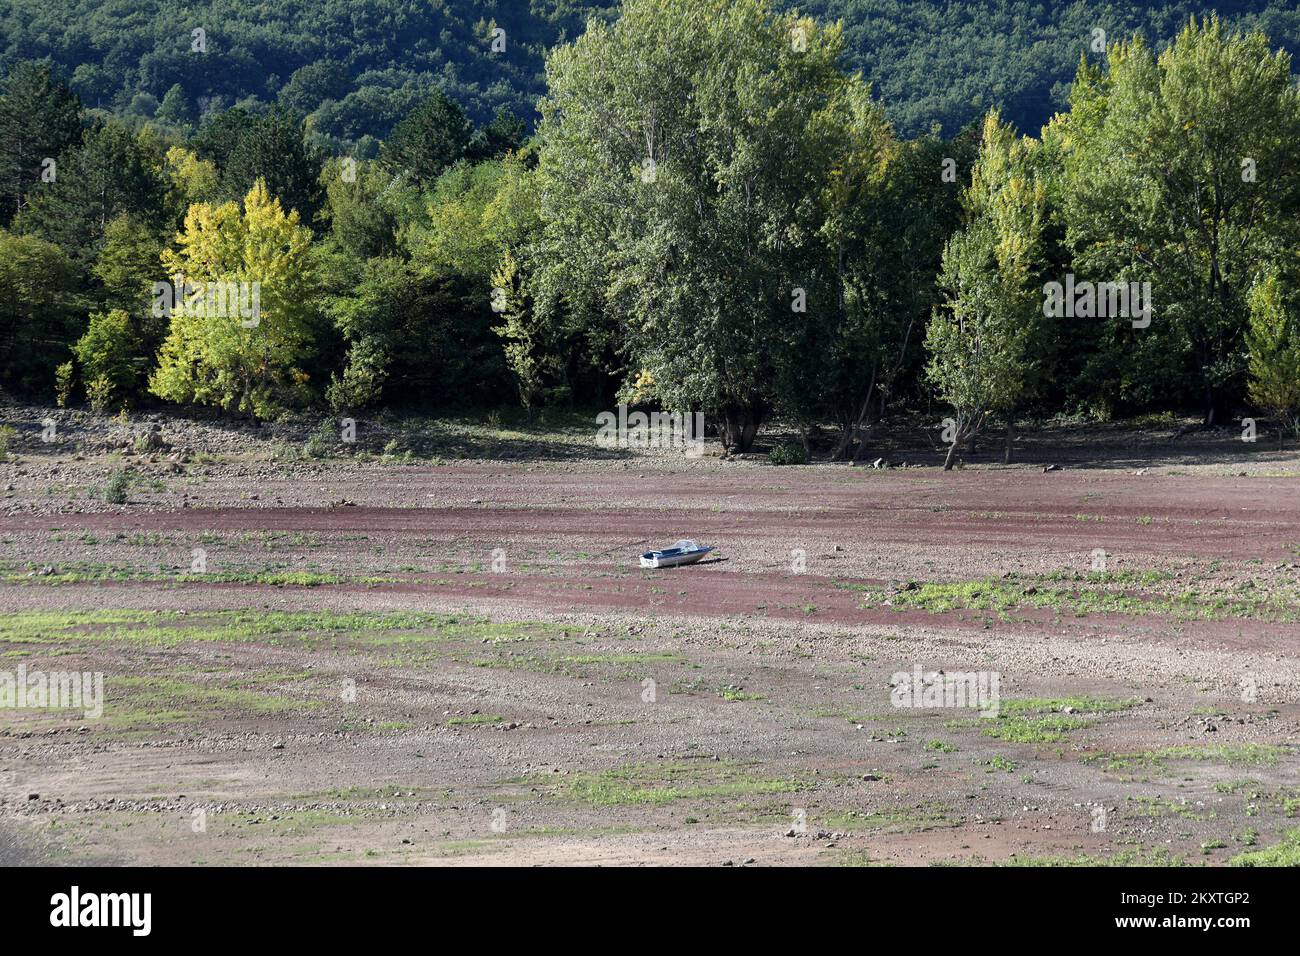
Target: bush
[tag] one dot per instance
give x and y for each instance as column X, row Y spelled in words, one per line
column 320, row 443
column 789, row 454
column 117, row 486
column 65, row 380
column 106, row 354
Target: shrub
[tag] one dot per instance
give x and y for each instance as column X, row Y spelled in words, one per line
column 789, row 454
column 117, row 486
column 320, row 443
column 65, row 379
column 105, row 353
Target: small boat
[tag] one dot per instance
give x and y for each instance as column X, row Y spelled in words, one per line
column 683, row 552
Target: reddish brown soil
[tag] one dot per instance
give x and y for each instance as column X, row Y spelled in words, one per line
column 801, row 645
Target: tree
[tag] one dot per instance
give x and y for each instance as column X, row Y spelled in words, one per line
column 504, row 134
column 41, row 312
column 40, row 119
column 192, row 179
column 106, row 354
column 432, row 138
column 978, row 336
column 896, row 235
column 1273, row 344
column 244, row 359
column 1181, row 170
column 680, row 175
column 474, row 215
column 415, row 337
column 127, row 268
column 220, row 134
column 274, row 150
column 313, row 84
column 113, row 173
column 175, row 108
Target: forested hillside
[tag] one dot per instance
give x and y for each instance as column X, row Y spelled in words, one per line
column 357, row 68
column 714, row 213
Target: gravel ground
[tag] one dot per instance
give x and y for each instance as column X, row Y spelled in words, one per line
column 451, row 656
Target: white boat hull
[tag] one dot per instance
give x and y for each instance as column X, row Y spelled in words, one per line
column 686, row 552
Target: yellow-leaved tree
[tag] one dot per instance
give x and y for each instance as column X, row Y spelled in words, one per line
column 241, row 296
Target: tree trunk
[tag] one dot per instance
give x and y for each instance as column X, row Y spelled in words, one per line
column 952, row 457
column 740, row 426
column 1011, row 437
column 862, row 433
column 842, row 446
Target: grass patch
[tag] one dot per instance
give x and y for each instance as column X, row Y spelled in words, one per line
column 1156, row 808
column 1135, row 856
column 1084, row 704
column 172, row 628
column 737, row 694
column 1097, row 593
column 1048, row 729
column 1285, row 853
column 94, row 573
column 158, row 700
column 925, row 816
column 1233, row 755
column 661, row 784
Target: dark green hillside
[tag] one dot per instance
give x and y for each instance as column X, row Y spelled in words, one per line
column 357, row 67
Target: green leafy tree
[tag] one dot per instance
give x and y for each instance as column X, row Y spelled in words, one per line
column 504, row 134
column 362, row 219
column 897, row 234
column 313, row 84
column 977, row 340
column 175, row 109
column 428, row 141
column 415, row 338
column 127, row 268
column 191, row 179
column 275, row 150
column 1180, row 169
column 128, row 264
column 1273, row 344
column 220, row 133
column 680, row 175
column 107, row 354
column 41, row 312
column 474, row 215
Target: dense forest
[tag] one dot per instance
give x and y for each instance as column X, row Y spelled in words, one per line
column 354, row 69
column 712, row 211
